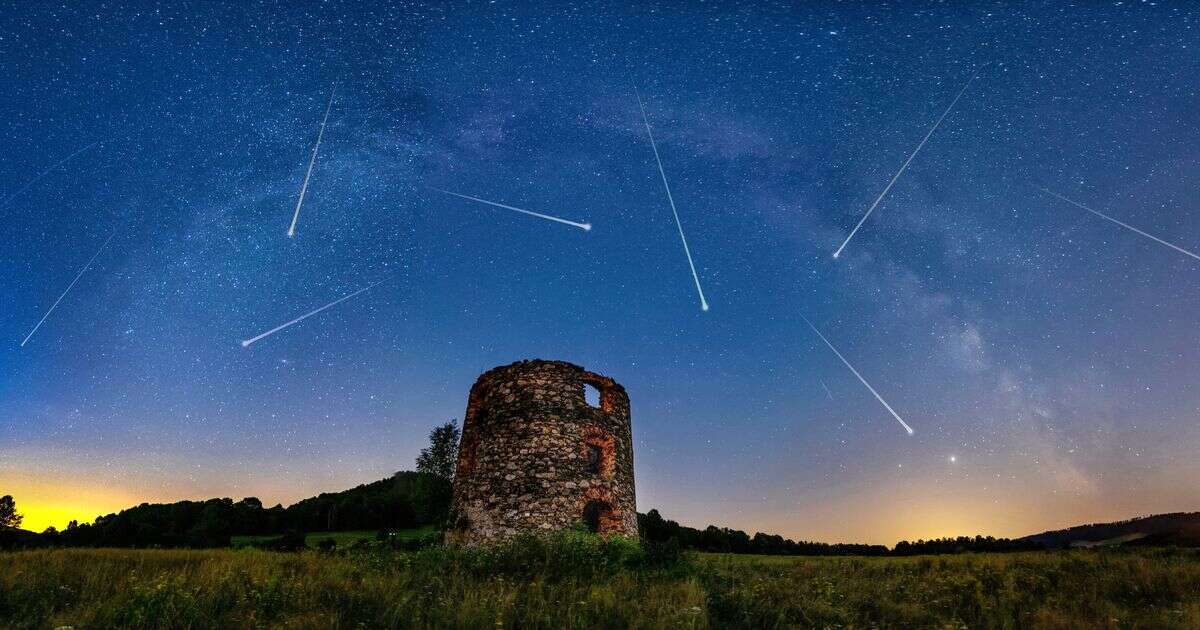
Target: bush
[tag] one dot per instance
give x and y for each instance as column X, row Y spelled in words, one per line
column 552, row 556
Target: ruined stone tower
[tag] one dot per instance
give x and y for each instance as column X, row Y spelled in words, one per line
column 536, row 455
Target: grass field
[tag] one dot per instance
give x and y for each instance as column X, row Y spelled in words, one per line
column 583, row 583
column 342, row 539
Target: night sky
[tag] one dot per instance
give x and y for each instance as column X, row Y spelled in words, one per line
column 1046, row 359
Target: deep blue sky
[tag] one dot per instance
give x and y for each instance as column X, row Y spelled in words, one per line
column 1053, row 355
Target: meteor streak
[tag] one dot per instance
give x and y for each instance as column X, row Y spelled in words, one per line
column 44, row 173
column 906, row 162
column 311, row 162
column 246, row 342
column 667, row 187
column 860, row 377
column 583, row 226
column 64, row 293
column 1124, row 225
column 826, row 388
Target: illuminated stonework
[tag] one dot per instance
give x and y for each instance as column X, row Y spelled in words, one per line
column 535, row 456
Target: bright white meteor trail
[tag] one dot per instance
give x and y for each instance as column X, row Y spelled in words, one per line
column 64, row 293
column 44, row 173
column 906, row 162
column 667, row 187
column 1124, row 225
column 311, row 161
column 860, row 377
column 246, row 342
column 583, row 226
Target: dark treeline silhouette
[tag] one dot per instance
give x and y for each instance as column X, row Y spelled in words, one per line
column 413, row 499
column 963, row 544
column 405, row 500
column 657, row 530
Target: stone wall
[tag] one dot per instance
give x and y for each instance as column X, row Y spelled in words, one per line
column 535, row 454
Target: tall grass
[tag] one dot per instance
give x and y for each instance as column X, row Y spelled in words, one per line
column 579, row 581
column 566, row 581
column 1078, row 589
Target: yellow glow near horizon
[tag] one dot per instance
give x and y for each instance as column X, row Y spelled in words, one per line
column 43, row 505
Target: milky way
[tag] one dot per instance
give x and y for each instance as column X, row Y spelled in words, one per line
column 1054, row 354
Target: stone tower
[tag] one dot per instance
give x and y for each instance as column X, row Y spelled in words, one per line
column 537, row 456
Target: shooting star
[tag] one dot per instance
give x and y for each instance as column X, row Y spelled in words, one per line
column 583, row 226
column 826, row 388
column 68, row 290
column 906, row 162
column 860, row 377
column 1124, row 225
column 44, row 173
column 311, row 161
column 667, row 187
column 246, row 342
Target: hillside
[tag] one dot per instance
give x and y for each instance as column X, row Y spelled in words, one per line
column 1178, row 528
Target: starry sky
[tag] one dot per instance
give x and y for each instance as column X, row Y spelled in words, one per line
column 1046, row 358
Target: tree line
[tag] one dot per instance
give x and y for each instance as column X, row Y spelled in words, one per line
column 409, row 499
column 657, row 530
column 405, row 500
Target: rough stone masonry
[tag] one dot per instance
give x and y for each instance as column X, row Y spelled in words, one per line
column 536, row 456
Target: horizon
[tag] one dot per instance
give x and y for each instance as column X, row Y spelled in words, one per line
column 40, row 521
column 867, row 273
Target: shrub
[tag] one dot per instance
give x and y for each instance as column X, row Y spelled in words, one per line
column 553, row 556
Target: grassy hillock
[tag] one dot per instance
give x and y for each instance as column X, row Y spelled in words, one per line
column 575, row 580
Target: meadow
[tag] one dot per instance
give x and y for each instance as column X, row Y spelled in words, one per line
column 579, row 581
column 313, row 540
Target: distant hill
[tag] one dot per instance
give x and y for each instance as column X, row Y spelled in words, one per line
column 1179, row 529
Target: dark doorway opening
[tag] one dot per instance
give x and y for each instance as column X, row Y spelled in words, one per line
column 594, row 513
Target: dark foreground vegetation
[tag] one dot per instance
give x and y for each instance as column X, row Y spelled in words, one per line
column 575, row 580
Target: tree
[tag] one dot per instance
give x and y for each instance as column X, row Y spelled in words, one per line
column 8, row 509
column 441, row 456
